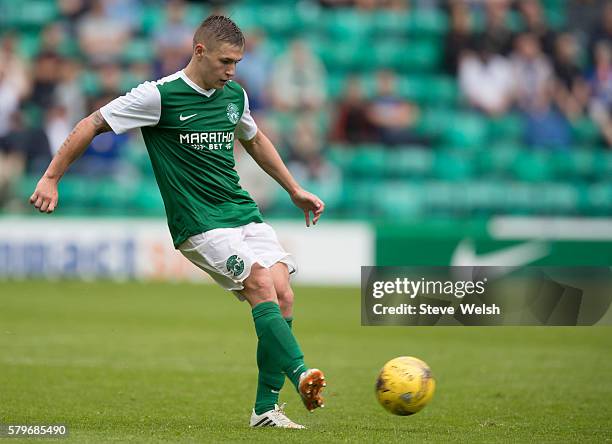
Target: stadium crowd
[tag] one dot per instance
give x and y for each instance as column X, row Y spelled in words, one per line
column 503, row 56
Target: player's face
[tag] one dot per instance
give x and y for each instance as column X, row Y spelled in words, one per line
column 219, row 64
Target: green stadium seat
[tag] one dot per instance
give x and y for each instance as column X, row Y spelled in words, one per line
column 409, row 162
column 599, row 198
column 138, row 50
column 574, row 164
column 585, row 132
column 427, row 22
column 603, row 162
column 29, row 15
column 397, row 200
column 466, row 131
column 498, row 160
column 533, row 166
column 368, row 162
column 452, row 165
column 146, row 200
column 346, row 56
column 434, row 121
column 428, row 89
column 340, row 155
column 357, row 199
column 507, row 128
column 346, row 24
column 390, row 23
column 421, row 55
column 29, row 45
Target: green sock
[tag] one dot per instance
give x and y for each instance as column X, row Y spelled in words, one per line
column 277, row 352
column 269, row 385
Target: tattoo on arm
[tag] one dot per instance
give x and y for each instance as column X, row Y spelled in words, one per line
column 100, row 124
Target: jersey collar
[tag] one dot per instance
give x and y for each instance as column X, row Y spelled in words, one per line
column 188, row 81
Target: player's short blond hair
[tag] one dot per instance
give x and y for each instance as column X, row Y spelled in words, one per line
column 217, row 29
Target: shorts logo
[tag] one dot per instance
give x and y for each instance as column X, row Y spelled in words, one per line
column 235, row 265
column 232, row 113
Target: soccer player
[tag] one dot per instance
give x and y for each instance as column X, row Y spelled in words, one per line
column 188, row 121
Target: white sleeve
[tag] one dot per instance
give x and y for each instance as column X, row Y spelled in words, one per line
column 246, row 128
column 140, row 107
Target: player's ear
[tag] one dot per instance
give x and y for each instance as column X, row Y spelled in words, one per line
column 199, row 50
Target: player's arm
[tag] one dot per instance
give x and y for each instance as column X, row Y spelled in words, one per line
column 265, row 154
column 45, row 195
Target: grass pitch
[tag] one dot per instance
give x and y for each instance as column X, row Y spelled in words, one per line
column 176, row 363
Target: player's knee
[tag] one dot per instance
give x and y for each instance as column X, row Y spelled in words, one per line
column 285, row 297
column 260, row 284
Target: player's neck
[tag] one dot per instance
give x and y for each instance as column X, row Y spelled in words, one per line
column 192, row 73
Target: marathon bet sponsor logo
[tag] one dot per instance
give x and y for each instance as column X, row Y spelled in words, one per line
column 215, row 140
column 232, row 113
column 235, row 265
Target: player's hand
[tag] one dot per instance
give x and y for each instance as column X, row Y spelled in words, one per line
column 308, row 202
column 45, row 195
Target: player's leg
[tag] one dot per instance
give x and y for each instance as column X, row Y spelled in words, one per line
column 284, row 292
column 312, row 381
column 277, row 350
column 277, row 347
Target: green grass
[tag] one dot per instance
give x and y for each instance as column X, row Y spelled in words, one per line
column 176, row 363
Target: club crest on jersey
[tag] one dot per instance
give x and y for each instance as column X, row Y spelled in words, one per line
column 233, row 114
column 235, row 265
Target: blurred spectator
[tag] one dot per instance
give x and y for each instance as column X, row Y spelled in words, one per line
column 545, row 125
column 29, row 143
column 532, row 71
column 571, row 89
column 585, row 15
column 486, row 81
column 253, row 71
column 46, row 76
column 459, row 38
column 306, row 160
column 102, row 38
column 69, row 92
column 497, row 33
column 299, row 79
column 602, row 31
column 15, row 80
column 53, row 38
column 535, row 23
column 57, row 127
column 392, row 118
column 110, row 75
column 174, row 40
column 352, row 124
column 127, row 11
column 600, row 83
column 73, row 10
column 175, row 34
column 102, row 158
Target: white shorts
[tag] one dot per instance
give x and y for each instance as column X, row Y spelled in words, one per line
column 227, row 254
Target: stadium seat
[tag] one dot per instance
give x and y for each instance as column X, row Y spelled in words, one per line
column 585, row 132
column 427, row 22
column 466, row 131
column 497, row 160
column 507, row 128
column 397, row 200
column 533, row 166
column 369, row 162
column 410, row 161
column 452, row 165
column 344, row 24
column 390, row 23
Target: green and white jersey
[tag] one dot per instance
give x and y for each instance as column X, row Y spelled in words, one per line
column 189, row 133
